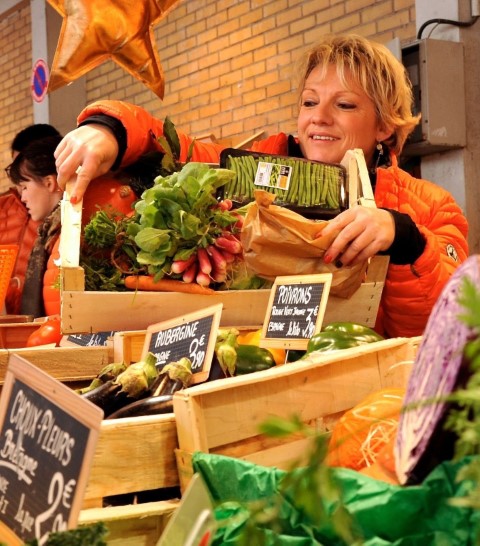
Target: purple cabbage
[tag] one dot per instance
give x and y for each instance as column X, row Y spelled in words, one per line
column 421, row 441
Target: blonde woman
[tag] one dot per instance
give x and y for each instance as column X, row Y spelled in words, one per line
column 353, row 94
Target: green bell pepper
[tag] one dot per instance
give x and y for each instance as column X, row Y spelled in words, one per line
column 251, row 358
column 354, row 329
column 331, row 341
column 342, row 335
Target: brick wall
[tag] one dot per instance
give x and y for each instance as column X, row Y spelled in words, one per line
column 228, row 65
column 16, row 108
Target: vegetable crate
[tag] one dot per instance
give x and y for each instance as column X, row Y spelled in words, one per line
column 223, row 416
column 84, row 311
column 13, row 335
column 132, row 455
column 93, row 311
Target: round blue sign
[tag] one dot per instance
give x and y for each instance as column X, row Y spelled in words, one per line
column 39, row 83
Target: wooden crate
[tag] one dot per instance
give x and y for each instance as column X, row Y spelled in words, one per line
column 132, row 455
column 133, row 525
column 14, row 335
column 83, row 311
column 70, row 365
column 223, row 416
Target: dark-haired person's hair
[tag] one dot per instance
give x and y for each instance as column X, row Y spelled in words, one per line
column 37, row 131
column 35, row 161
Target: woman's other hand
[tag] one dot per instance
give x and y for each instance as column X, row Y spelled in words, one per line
column 361, row 232
column 85, row 153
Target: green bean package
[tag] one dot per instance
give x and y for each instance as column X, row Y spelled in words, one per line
column 311, row 188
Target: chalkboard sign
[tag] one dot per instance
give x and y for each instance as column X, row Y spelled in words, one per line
column 98, row 339
column 295, row 310
column 192, row 336
column 47, row 440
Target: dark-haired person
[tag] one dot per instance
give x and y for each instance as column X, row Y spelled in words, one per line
column 34, row 173
column 36, row 131
column 16, row 225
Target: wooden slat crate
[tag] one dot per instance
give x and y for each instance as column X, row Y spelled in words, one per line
column 138, row 310
column 15, row 335
column 70, row 365
column 132, row 455
column 223, row 416
column 133, row 525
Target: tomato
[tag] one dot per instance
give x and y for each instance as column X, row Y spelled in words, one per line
column 49, row 332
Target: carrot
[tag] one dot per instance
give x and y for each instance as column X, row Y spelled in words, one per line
column 146, row 282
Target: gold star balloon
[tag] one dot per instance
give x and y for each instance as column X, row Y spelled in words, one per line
column 96, row 30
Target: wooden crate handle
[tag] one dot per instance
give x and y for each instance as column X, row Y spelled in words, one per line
column 71, row 217
column 360, row 190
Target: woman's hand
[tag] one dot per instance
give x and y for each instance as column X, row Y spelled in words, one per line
column 85, row 153
column 362, row 232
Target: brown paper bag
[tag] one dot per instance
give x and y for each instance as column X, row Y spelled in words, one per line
column 279, row 242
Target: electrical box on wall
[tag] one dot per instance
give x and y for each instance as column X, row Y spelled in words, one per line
column 436, row 70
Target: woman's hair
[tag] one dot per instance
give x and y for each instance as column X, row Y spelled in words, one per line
column 377, row 71
column 36, row 131
column 35, row 161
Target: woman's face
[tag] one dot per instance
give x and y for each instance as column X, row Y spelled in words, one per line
column 334, row 118
column 40, row 197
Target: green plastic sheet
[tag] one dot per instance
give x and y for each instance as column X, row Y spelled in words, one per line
column 387, row 515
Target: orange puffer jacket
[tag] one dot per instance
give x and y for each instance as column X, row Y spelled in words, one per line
column 410, row 290
column 16, row 227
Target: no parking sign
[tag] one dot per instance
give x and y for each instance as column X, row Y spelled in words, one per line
column 39, row 81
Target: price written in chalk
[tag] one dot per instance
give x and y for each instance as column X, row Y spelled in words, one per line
column 44, row 449
column 185, row 340
column 192, row 336
column 295, row 311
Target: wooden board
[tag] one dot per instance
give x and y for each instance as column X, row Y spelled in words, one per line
column 223, row 416
column 67, row 364
column 137, row 310
column 134, row 524
column 14, row 335
column 133, row 454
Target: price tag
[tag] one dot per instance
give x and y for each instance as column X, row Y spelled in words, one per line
column 47, row 441
column 192, row 336
column 99, row 339
column 295, row 310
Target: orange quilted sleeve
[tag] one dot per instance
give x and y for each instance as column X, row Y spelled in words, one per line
column 16, row 227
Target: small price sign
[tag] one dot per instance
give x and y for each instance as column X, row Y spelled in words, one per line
column 295, row 310
column 192, row 336
column 47, row 441
column 98, row 339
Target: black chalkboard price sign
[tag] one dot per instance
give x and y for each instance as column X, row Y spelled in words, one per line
column 295, row 310
column 192, row 336
column 47, row 441
column 97, row 339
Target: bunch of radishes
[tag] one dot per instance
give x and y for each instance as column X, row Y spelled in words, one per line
column 210, row 263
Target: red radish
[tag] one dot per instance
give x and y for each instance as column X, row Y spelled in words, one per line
column 179, row 266
column 217, row 258
column 228, row 256
column 219, row 275
column 204, row 261
column 226, row 204
column 240, row 219
column 190, row 272
column 235, row 247
column 202, row 279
